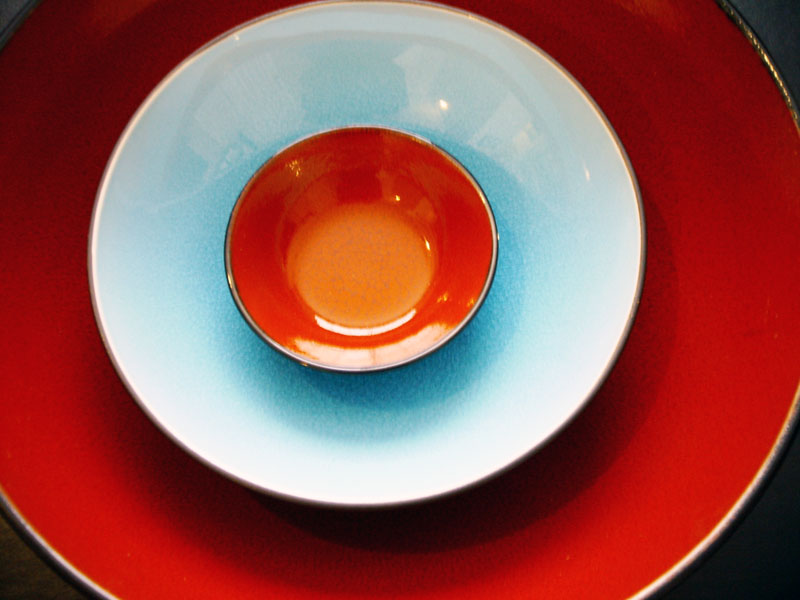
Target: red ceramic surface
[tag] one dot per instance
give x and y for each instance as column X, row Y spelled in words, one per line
column 703, row 390
column 385, row 248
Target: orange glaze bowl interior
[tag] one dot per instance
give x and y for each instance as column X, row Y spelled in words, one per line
column 360, row 249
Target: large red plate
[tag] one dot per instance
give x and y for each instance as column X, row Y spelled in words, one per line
column 640, row 482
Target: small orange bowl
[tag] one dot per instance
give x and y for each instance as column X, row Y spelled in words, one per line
column 360, row 249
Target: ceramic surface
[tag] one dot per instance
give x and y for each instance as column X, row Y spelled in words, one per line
column 360, row 249
column 567, row 212
column 674, row 446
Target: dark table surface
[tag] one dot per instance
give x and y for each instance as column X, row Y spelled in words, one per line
column 760, row 559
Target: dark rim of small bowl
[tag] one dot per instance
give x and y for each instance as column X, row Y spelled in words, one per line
column 322, row 365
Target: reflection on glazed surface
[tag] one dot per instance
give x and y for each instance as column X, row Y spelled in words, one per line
column 349, row 248
column 385, row 354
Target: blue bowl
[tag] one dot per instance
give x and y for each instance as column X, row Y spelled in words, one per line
column 568, row 278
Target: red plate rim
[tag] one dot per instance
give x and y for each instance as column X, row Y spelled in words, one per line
column 708, row 543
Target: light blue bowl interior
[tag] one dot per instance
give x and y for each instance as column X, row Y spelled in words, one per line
column 567, row 280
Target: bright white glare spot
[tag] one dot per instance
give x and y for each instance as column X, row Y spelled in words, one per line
column 443, row 104
column 364, row 331
column 359, row 357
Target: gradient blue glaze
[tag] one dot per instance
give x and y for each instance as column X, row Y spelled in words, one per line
column 567, row 278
